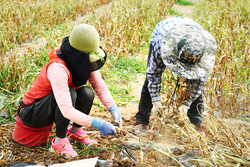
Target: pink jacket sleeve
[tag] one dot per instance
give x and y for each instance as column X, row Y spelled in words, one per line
column 58, row 76
column 101, row 89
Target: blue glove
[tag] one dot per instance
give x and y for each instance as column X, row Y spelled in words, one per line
column 115, row 114
column 104, row 126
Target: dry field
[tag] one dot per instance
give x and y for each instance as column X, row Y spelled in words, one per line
column 30, row 30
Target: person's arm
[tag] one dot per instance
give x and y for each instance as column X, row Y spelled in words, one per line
column 58, row 76
column 101, row 89
column 155, row 69
column 194, row 90
column 105, row 96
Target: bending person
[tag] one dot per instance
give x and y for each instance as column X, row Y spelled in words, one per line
column 184, row 47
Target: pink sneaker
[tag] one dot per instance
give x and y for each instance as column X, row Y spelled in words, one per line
column 82, row 136
column 63, row 147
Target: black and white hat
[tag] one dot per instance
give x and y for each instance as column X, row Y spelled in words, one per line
column 189, row 51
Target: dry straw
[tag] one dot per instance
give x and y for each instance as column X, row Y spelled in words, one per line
column 123, row 28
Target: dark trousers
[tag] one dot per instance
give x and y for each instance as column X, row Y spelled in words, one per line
column 145, row 105
column 45, row 111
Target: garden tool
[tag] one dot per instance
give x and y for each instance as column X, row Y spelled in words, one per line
column 126, row 153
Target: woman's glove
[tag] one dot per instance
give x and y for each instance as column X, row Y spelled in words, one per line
column 104, row 126
column 116, row 115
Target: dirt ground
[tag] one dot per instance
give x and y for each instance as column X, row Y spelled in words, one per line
column 11, row 152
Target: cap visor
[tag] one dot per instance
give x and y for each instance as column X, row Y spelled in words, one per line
column 95, row 56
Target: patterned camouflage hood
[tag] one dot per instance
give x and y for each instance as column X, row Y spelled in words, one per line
column 189, row 51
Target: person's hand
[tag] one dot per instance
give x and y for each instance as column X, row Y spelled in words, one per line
column 183, row 112
column 183, row 109
column 156, row 108
column 104, row 126
column 116, row 115
column 169, row 111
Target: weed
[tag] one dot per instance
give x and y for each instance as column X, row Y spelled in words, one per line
column 184, row 2
column 173, row 12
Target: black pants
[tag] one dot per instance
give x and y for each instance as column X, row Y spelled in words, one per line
column 45, row 111
column 145, row 106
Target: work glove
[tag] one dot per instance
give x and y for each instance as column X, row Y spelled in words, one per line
column 104, row 126
column 183, row 112
column 183, row 109
column 116, row 115
column 169, row 111
column 156, row 108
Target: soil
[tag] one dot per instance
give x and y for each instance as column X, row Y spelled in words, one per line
column 14, row 153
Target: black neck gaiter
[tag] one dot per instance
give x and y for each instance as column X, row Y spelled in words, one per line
column 77, row 62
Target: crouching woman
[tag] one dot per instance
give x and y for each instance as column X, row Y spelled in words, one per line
column 59, row 95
